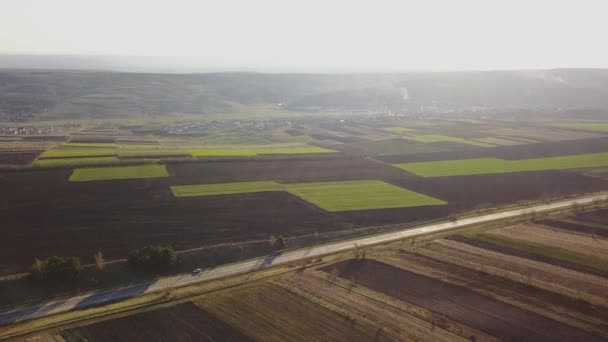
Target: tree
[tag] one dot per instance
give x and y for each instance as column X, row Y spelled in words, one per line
column 152, row 258
column 57, row 269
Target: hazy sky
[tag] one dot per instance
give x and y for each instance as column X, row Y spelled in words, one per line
column 375, row 34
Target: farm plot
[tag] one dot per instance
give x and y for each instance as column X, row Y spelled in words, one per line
column 81, row 161
column 401, row 147
column 578, row 226
column 583, row 244
column 544, row 275
column 517, row 290
column 457, row 303
column 330, row 196
column 495, row 165
column 398, row 129
column 268, row 312
column 183, row 322
column 359, row 195
column 499, row 141
column 391, row 318
column 588, row 126
column 78, row 152
column 118, row 172
column 18, row 157
column 437, row 138
column 545, row 250
column 253, row 151
column 224, row 188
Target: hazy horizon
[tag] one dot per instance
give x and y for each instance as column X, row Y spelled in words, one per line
column 314, row 36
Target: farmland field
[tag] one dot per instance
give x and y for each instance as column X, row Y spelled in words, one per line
column 398, row 129
column 359, row 195
column 78, row 152
column 494, row 165
column 212, row 152
column 591, row 126
column 74, row 161
column 457, row 303
column 331, row 196
column 185, row 322
column 118, row 172
column 438, row 138
column 224, row 188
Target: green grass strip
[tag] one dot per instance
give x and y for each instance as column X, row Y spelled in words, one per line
column 118, row 172
column 74, row 161
column 224, row 188
column 553, row 252
column 94, row 145
column 495, row 165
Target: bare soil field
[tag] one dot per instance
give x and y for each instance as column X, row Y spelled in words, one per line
column 268, row 312
column 553, row 305
column 396, row 319
column 600, row 217
column 283, row 171
column 558, row 238
column 547, row 276
column 527, row 255
column 183, row 322
column 460, row 304
column 18, row 157
column 579, row 227
column 57, row 138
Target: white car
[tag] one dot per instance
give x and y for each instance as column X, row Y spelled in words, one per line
column 196, row 271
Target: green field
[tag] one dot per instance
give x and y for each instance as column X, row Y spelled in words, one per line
column 74, row 161
column 331, row 196
column 224, row 188
column 78, row 152
column 495, row 165
column 591, row 126
column 118, row 172
column 397, row 129
column 437, row 138
column 359, row 195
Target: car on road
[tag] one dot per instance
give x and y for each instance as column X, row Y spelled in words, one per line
column 196, row 271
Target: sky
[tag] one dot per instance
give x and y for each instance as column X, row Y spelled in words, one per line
column 381, row 35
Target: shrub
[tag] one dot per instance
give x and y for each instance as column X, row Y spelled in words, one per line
column 57, row 269
column 279, row 243
column 152, row 258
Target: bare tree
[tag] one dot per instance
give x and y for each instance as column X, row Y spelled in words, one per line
column 100, row 263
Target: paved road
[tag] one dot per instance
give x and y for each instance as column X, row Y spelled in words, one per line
column 121, row 293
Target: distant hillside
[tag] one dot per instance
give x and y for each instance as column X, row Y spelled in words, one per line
column 25, row 94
